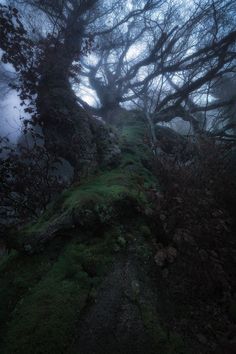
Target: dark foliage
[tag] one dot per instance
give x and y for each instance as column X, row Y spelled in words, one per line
column 28, row 181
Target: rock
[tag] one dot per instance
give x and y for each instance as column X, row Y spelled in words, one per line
column 160, row 258
column 164, row 255
column 108, row 150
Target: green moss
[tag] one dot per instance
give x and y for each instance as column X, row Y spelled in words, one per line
column 107, row 186
column 93, row 201
column 18, row 275
column 45, row 318
column 133, row 133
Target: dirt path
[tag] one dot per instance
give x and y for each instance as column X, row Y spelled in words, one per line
column 114, row 323
column 142, row 308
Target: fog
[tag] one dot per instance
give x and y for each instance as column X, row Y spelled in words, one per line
column 11, row 113
column 10, row 109
column 108, row 62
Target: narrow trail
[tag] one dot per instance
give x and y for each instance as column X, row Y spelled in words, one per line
column 115, row 323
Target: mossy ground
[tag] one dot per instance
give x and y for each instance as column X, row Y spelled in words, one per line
column 43, row 294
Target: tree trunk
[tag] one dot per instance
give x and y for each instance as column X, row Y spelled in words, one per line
column 68, row 130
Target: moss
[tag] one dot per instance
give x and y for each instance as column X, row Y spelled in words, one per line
column 133, row 133
column 96, row 200
column 42, row 324
column 44, row 320
column 19, row 274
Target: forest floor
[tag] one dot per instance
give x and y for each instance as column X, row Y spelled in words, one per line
column 106, row 271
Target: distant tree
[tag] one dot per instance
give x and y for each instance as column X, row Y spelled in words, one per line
column 183, row 50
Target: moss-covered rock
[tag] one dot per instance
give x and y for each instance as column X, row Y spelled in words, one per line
column 101, row 199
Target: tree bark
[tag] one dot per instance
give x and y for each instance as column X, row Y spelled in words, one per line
column 67, row 128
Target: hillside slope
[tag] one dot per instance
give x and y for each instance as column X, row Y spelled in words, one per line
column 98, row 274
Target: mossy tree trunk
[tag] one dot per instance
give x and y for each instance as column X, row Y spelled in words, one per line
column 67, row 128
